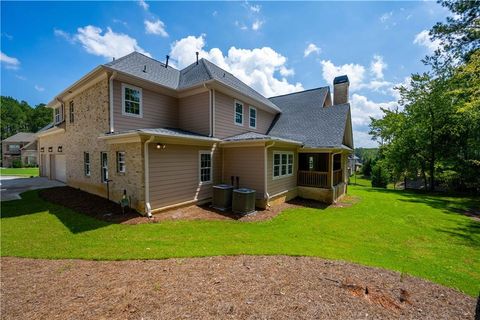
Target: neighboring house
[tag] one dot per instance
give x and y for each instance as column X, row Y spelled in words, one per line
column 354, row 164
column 21, row 147
column 166, row 136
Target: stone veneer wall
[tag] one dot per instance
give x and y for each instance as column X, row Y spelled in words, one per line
column 91, row 120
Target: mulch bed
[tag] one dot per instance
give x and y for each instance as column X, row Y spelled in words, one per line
column 102, row 209
column 241, row 287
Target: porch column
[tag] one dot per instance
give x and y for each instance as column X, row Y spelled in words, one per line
column 330, row 170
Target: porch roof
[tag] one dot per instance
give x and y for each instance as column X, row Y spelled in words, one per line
column 160, row 132
column 254, row 136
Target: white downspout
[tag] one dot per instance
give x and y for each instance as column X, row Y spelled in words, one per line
column 110, row 87
column 267, row 196
column 148, row 207
column 213, row 113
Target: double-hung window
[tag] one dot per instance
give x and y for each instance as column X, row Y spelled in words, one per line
column 282, row 164
column 238, row 113
column 205, row 166
column 104, row 165
column 252, row 117
column 58, row 115
column 131, row 101
column 121, row 161
column 86, row 164
column 71, row 112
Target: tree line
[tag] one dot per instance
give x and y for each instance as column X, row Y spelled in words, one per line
column 434, row 134
column 19, row 116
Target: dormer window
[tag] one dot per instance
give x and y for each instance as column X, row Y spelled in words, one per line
column 131, row 101
column 238, row 114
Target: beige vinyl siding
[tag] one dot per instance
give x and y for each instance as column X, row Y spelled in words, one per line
column 224, row 120
column 194, row 113
column 159, row 110
column 174, row 175
column 247, row 163
column 281, row 184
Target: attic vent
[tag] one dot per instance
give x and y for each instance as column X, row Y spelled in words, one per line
column 145, row 68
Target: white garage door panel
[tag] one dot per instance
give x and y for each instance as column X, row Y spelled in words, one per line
column 60, row 168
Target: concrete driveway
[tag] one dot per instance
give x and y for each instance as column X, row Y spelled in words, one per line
column 12, row 186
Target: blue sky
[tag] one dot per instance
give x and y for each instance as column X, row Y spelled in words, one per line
column 276, row 47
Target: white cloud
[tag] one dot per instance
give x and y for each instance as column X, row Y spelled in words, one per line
column 9, row 62
column 363, row 139
column 256, row 25
column 423, row 39
column 155, row 27
column 215, row 13
column 124, row 23
column 386, row 16
column 62, row 34
column 109, row 44
column 355, row 73
column 241, row 25
column 363, row 109
column 39, row 88
column 377, row 66
column 409, row 17
column 258, row 68
column 311, row 48
column 20, row 77
column 255, row 8
column 143, row 4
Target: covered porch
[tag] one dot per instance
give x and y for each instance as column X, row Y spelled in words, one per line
column 322, row 175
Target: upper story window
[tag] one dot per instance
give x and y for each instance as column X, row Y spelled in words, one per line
column 58, row 115
column 282, row 164
column 13, row 147
column 131, row 101
column 71, row 112
column 252, row 117
column 238, row 114
column 205, row 166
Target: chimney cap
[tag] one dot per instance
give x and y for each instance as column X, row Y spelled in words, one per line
column 341, row 79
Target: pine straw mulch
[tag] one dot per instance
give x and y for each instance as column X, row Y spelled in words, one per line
column 241, row 287
column 103, row 209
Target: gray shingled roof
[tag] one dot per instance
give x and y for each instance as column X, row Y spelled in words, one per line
column 155, row 71
column 249, row 136
column 305, row 119
column 21, row 137
column 170, row 132
column 135, row 63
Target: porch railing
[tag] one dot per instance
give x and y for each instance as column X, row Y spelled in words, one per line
column 312, row 179
column 337, row 176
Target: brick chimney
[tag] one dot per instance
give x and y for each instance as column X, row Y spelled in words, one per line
column 340, row 89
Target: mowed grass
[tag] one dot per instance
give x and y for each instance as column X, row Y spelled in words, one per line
column 22, row 172
column 418, row 234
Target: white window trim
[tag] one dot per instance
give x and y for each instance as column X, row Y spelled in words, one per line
column 235, row 113
column 200, row 167
column 140, row 115
column 102, row 167
column 250, row 108
column 124, row 162
column 87, row 164
column 280, row 176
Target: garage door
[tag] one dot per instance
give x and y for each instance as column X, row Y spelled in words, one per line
column 60, row 168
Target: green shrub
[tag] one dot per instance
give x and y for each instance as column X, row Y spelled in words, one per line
column 17, row 164
column 379, row 175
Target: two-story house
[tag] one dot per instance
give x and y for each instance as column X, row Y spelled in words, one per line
column 166, row 136
column 20, row 147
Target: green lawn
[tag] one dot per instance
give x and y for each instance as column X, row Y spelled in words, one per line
column 422, row 235
column 28, row 172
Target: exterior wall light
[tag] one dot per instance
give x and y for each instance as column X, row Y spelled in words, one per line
column 42, row 149
column 160, row 146
column 60, row 148
column 50, row 149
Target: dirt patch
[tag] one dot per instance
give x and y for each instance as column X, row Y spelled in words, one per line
column 89, row 204
column 102, row 209
column 241, row 287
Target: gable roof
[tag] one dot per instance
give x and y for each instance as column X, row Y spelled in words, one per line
column 304, row 118
column 193, row 75
column 21, row 137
